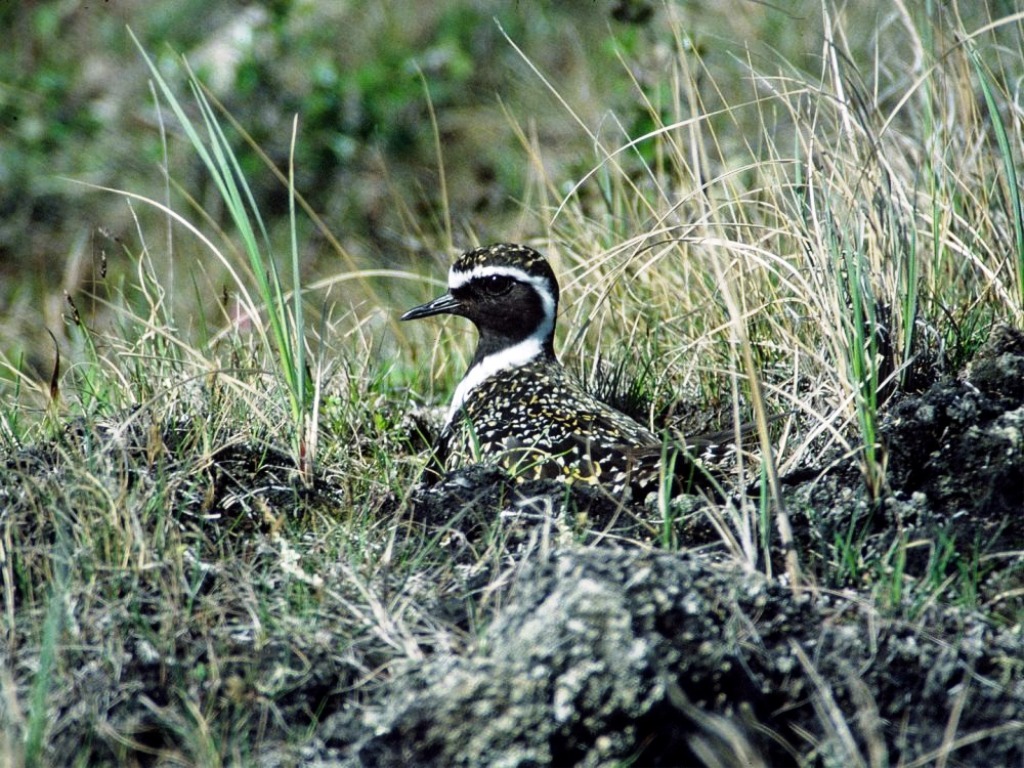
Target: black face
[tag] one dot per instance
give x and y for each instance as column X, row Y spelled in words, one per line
column 501, row 306
column 519, row 301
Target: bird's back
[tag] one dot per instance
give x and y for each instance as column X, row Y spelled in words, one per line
column 536, row 421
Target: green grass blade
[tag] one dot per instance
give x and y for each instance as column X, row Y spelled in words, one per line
column 1006, row 154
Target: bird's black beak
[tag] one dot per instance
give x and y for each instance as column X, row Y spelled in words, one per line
column 446, row 304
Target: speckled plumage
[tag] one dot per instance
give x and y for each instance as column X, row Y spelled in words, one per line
column 517, row 406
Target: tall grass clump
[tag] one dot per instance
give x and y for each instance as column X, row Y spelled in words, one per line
column 811, row 229
column 283, row 312
column 169, row 527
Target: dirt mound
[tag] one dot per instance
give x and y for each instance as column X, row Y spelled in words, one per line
column 612, row 653
column 487, row 622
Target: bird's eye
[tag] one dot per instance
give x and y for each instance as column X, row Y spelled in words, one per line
column 496, row 285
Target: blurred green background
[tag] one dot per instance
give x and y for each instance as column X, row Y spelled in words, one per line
column 362, row 77
column 377, row 87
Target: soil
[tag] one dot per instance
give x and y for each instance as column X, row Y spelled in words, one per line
column 601, row 643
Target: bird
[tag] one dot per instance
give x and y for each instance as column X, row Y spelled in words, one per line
column 519, row 408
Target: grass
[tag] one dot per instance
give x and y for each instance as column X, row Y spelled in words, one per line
column 208, row 510
column 285, row 319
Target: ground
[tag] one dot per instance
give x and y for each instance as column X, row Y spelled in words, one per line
column 612, row 652
column 568, row 628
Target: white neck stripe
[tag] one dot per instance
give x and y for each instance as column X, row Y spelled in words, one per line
column 526, row 351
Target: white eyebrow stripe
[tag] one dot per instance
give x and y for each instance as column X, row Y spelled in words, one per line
column 457, row 280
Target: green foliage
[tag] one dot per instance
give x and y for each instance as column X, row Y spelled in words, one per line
column 1013, row 196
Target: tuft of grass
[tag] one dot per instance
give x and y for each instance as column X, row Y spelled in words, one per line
column 285, row 317
column 45, row 679
column 1012, row 199
column 772, row 231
